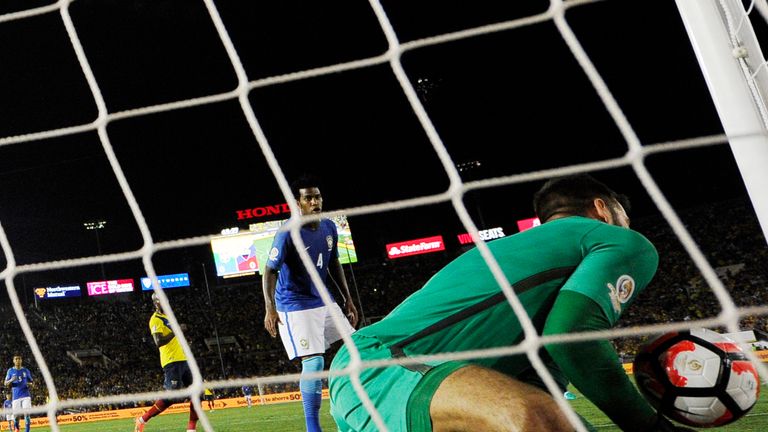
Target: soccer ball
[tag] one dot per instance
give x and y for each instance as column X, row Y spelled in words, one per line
column 699, row 377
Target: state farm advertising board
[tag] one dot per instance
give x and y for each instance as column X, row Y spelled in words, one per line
column 415, row 247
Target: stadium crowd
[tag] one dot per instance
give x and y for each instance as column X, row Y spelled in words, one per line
column 228, row 340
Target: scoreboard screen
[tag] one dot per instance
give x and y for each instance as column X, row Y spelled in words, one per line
column 245, row 253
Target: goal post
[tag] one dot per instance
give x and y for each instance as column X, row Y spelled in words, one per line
column 733, row 65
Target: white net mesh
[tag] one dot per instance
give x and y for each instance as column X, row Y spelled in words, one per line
column 417, row 100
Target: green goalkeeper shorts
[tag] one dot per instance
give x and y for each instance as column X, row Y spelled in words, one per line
column 400, row 395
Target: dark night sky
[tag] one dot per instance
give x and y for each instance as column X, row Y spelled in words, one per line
column 515, row 100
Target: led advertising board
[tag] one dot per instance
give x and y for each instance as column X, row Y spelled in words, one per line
column 415, row 247
column 529, row 223
column 109, row 287
column 486, row 234
column 166, row 281
column 58, row 291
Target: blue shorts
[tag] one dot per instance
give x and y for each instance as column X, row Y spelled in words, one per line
column 177, row 375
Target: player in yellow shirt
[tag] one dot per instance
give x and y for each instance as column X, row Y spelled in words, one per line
column 209, row 397
column 174, row 363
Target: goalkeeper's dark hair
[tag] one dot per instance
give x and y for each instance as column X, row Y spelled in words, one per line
column 573, row 194
column 304, row 181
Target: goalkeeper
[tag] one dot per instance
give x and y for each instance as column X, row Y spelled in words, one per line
column 576, row 272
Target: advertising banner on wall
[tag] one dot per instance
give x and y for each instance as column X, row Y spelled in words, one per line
column 58, row 291
column 166, row 281
column 415, row 247
column 109, row 287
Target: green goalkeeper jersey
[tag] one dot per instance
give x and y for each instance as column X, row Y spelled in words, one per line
column 462, row 307
column 573, row 274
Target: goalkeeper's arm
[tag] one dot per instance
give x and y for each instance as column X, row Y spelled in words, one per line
column 593, row 366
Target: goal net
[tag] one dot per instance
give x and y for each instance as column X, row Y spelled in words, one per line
column 133, row 132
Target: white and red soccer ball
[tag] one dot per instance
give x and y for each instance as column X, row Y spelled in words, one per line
column 700, row 378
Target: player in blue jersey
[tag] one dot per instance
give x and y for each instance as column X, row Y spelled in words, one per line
column 293, row 304
column 8, row 404
column 248, row 393
column 20, row 380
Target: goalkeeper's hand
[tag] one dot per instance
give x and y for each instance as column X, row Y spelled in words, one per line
column 664, row 425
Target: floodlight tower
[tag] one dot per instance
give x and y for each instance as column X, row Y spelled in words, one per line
column 469, row 171
column 96, row 226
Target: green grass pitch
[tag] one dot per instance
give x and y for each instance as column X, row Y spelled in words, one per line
column 268, row 418
column 755, row 421
column 288, row 417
